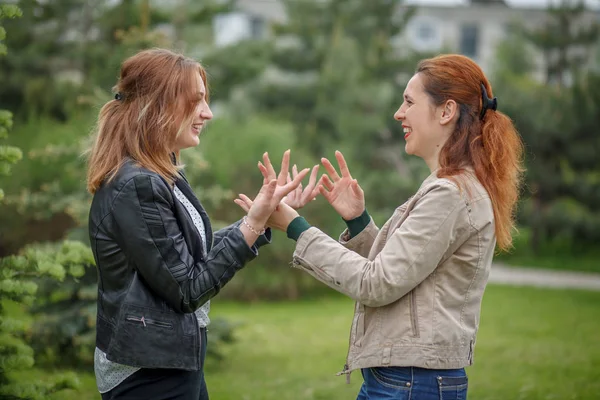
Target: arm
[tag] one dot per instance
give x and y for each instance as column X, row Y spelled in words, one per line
column 411, row 253
column 149, row 234
column 223, row 232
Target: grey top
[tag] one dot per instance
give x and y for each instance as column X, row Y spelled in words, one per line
column 110, row 374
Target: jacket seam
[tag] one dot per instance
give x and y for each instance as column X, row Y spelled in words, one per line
column 462, row 310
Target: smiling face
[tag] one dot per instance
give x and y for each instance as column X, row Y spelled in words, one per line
column 426, row 127
column 190, row 133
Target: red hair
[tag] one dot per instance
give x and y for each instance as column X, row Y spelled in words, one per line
column 492, row 146
column 158, row 94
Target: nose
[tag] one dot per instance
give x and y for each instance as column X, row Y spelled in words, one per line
column 206, row 113
column 399, row 115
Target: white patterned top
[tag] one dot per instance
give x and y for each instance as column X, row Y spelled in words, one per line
column 110, row 374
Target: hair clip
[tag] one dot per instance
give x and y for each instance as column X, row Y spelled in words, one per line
column 118, row 96
column 486, row 102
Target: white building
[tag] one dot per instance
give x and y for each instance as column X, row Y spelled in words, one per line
column 469, row 27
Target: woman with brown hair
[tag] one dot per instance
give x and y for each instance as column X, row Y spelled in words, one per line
column 158, row 260
column 418, row 281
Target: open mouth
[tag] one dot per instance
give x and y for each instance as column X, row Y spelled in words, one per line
column 407, row 132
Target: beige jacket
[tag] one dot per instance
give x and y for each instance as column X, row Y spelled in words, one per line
column 418, row 281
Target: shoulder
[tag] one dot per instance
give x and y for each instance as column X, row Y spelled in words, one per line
column 462, row 192
column 133, row 179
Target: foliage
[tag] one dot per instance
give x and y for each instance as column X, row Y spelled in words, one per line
column 557, row 122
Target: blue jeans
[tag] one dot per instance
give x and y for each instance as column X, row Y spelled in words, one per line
column 412, row 383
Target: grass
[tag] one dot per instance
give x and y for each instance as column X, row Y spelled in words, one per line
column 532, row 344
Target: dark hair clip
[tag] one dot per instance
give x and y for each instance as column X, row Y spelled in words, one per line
column 118, row 96
column 486, row 102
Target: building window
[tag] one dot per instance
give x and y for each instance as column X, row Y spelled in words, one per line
column 469, row 40
column 424, row 33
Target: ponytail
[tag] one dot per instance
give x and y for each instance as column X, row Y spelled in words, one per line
column 499, row 168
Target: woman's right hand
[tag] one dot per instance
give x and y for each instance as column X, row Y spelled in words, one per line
column 343, row 193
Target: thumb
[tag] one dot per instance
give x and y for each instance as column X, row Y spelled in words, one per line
column 270, row 188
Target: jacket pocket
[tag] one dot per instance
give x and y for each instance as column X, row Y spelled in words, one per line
column 148, row 322
column 148, row 337
column 359, row 325
column 414, row 315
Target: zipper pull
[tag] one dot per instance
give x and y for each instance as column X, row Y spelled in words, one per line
column 343, row 371
column 143, row 321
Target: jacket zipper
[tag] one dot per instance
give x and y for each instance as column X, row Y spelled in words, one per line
column 146, row 322
column 346, row 370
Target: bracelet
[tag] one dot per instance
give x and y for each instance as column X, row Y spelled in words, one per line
column 245, row 222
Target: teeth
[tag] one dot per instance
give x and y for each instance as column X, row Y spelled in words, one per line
column 407, row 130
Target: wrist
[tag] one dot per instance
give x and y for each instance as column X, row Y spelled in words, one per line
column 296, row 227
column 254, row 225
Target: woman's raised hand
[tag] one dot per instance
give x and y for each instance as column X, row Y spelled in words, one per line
column 298, row 197
column 342, row 192
column 274, row 189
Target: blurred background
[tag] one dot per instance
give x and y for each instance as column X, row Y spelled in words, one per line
column 315, row 76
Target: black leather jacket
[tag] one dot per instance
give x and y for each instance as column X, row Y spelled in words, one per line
column 151, row 272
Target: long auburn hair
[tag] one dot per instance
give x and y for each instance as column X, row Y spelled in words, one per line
column 492, row 146
column 157, row 93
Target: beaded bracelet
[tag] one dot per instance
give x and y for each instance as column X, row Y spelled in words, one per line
column 245, row 222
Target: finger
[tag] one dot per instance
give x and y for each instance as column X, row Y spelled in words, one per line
column 246, row 199
column 325, row 181
column 264, row 172
column 312, row 181
column 285, row 168
column 295, row 182
column 269, row 166
column 342, row 163
column 242, row 205
column 325, row 193
column 356, row 188
column 295, row 171
column 330, row 170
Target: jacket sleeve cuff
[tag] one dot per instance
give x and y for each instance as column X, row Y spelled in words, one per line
column 358, row 224
column 264, row 238
column 297, row 227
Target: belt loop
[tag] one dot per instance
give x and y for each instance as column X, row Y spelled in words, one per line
column 387, row 355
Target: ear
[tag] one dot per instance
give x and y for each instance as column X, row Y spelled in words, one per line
column 449, row 112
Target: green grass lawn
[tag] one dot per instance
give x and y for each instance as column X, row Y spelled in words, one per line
column 532, row 344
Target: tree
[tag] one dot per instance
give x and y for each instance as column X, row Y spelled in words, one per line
column 557, row 122
column 18, row 287
column 565, row 39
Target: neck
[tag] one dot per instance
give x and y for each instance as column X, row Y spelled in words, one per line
column 433, row 161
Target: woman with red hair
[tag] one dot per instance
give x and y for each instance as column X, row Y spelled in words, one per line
column 418, row 281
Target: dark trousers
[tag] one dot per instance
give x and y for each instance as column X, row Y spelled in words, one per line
column 163, row 384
